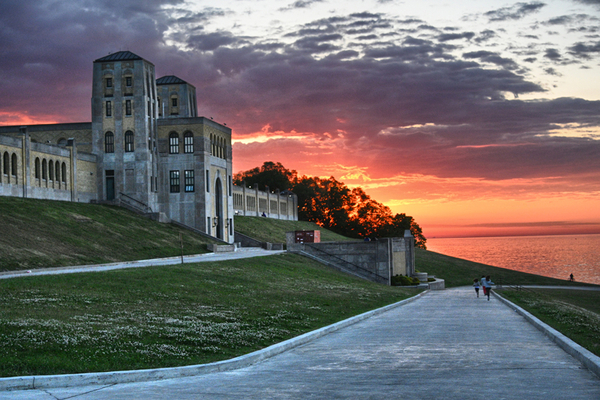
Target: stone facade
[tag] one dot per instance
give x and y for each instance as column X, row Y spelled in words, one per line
column 146, row 146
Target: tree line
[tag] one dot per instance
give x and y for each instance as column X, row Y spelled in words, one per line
column 333, row 205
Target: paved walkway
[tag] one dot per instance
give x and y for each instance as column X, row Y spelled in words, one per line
column 445, row 345
column 244, row 252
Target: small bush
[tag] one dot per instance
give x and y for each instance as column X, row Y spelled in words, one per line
column 401, row 280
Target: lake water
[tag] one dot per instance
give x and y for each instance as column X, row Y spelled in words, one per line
column 553, row 256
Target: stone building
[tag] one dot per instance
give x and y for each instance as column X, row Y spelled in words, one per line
column 145, row 148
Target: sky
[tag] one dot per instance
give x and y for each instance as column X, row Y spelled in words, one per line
column 474, row 117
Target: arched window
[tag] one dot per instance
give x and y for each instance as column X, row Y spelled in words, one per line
column 64, row 173
column 57, row 172
column 14, row 165
column 6, row 160
column 129, row 141
column 173, row 143
column 109, row 142
column 37, row 168
column 188, row 142
column 44, row 169
column 51, row 170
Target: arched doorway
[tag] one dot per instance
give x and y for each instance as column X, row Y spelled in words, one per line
column 219, row 208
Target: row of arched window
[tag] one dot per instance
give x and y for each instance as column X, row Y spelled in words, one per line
column 44, row 170
column 174, row 144
column 218, row 146
column 9, row 164
column 109, row 142
column 50, row 171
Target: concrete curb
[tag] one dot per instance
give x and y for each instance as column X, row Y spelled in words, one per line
column 584, row 356
column 111, row 378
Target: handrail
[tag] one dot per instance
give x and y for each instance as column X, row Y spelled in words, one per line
column 345, row 261
column 144, row 208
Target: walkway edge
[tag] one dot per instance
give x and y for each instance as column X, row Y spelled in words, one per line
column 586, row 357
column 116, row 377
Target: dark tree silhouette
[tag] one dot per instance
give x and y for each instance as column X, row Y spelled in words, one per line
column 332, row 205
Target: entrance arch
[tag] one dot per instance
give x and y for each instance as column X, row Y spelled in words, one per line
column 219, row 207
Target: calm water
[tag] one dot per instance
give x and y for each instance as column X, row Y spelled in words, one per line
column 553, row 256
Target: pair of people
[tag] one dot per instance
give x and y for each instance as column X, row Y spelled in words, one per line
column 486, row 284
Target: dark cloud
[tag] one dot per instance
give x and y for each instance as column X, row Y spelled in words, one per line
column 455, row 36
column 583, row 50
column 210, row 41
column 515, row 12
column 494, row 58
column 300, row 4
column 553, row 55
column 485, row 35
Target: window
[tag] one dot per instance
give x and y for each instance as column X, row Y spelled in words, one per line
column 109, row 142
column 128, row 141
column 108, row 109
column 128, row 81
column 14, row 165
column 51, row 170
column 6, row 163
column 189, row 180
column 108, row 82
column 44, row 169
column 173, row 143
column 37, row 168
column 64, row 173
column 57, row 171
column 207, row 180
column 174, row 102
column 188, row 142
column 174, row 181
column 127, row 107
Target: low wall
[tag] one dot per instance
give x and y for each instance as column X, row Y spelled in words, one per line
column 375, row 260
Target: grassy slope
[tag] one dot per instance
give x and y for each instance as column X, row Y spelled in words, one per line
column 170, row 316
column 273, row 230
column 44, row 233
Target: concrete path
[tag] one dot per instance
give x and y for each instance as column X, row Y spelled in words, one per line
column 244, row 252
column 446, row 345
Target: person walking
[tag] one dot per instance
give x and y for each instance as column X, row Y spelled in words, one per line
column 476, row 286
column 488, row 286
column 483, row 284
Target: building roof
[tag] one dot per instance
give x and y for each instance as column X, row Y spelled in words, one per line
column 120, row 56
column 169, row 80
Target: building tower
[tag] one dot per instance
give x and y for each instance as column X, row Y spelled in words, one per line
column 124, row 129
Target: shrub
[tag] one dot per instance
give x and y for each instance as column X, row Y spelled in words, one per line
column 401, row 280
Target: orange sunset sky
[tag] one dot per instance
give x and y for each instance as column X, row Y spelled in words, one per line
column 474, row 117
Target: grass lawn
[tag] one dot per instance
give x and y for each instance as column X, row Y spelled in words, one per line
column 172, row 316
column 574, row 313
column 45, row 233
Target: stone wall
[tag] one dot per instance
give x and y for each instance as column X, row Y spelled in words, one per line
column 377, row 260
